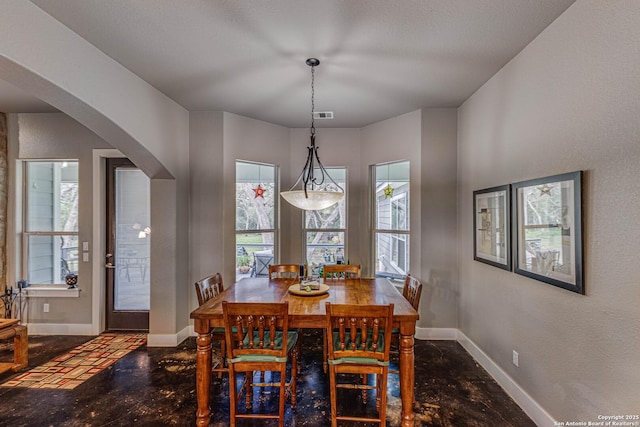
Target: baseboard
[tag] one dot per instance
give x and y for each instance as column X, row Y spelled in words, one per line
column 60, row 329
column 168, row 340
column 526, row 402
column 449, row 334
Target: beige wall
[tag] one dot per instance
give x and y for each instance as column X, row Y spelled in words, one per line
column 569, row 101
column 394, row 139
column 438, row 269
column 58, row 136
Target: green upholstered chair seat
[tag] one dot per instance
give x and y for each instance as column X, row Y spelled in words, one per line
column 357, row 359
column 292, row 339
column 220, row 330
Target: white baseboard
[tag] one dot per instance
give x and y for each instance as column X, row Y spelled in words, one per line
column 60, row 329
column 449, row 334
column 522, row 398
column 168, row 340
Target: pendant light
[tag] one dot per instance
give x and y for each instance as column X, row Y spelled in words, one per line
column 313, row 175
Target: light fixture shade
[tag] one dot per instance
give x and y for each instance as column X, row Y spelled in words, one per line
column 316, row 200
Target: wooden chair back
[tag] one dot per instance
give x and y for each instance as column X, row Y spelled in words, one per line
column 412, row 291
column 209, row 287
column 359, row 331
column 341, row 271
column 284, row 271
column 256, row 328
column 258, row 339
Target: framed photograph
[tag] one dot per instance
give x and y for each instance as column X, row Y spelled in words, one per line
column 547, row 229
column 491, row 226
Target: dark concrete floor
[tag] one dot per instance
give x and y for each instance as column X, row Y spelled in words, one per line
column 156, row 387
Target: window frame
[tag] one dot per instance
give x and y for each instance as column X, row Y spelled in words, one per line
column 276, row 211
column 344, row 230
column 394, row 234
column 26, row 234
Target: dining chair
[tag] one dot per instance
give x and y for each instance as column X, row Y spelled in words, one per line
column 258, row 339
column 284, row 271
column 412, row 291
column 341, row 271
column 206, row 289
column 337, row 272
column 359, row 344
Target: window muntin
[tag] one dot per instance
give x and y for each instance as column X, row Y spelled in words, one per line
column 50, row 235
column 325, row 230
column 256, row 193
column 391, row 211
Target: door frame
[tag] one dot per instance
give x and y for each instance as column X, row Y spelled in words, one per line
column 117, row 320
column 98, row 291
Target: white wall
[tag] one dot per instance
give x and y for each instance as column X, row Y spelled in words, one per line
column 569, row 101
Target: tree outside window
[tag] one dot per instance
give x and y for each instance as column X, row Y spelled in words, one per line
column 255, row 218
column 325, row 230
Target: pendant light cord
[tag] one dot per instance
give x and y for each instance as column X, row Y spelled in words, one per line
column 313, row 105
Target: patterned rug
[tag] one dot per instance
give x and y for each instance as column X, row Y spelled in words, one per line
column 75, row 367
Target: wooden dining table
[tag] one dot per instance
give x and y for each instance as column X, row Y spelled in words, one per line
column 307, row 312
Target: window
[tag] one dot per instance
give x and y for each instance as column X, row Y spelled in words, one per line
column 391, row 222
column 50, row 237
column 325, row 230
column 255, row 218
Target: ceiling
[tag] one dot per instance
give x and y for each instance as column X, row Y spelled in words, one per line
column 379, row 58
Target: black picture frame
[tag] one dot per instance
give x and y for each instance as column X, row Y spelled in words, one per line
column 492, row 226
column 547, row 230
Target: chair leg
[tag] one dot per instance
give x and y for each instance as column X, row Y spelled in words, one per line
column 334, row 397
column 324, row 350
column 248, row 395
column 294, row 377
column 223, row 352
column 283, row 395
column 365, row 393
column 232, row 397
column 383, row 397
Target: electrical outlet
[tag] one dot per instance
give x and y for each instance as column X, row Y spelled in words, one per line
column 85, row 246
column 45, row 308
column 515, row 359
column 85, row 256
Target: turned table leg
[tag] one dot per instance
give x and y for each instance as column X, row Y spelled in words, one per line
column 203, row 378
column 407, row 379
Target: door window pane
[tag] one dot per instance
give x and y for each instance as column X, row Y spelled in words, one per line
column 132, row 288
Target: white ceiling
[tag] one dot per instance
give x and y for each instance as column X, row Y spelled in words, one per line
column 379, row 58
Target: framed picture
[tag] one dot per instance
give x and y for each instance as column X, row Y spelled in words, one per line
column 547, row 229
column 491, row 226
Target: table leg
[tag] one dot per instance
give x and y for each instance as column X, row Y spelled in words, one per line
column 407, row 379
column 203, row 378
column 20, row 348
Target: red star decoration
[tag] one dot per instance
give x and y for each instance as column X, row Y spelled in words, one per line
column 259, row 191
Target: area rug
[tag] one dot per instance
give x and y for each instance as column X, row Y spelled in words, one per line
column 73, row 368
